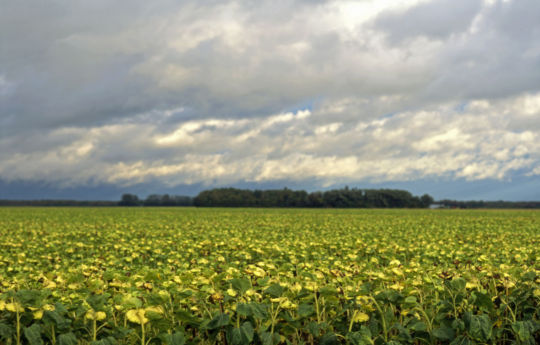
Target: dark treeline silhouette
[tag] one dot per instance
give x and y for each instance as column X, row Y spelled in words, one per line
column 74, row 203
column 166, row 200
column 156, row 200
column 338, row 198
column 341, row 198
column 488, row 204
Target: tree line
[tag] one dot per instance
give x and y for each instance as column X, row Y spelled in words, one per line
column 336, row 198
column 156, row 200
column 54, row 202
column 488, row 204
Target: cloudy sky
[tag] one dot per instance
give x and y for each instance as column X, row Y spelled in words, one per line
column 103, row 97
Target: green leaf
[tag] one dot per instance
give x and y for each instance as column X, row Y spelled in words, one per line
column 241, row 284
column 523, row 329
column 253, row 309
column 152, row 315
column 529, row 276
column 259, row 311
column 362, row 337
column 247, row 330
column 54, row 318
column 391, row 296
column 313, row 328
column 235, row 337
column 404, row 334
column 328, row 291
column 187, row 317
column 268, row 338
column 263, row 281
column 458, row 284
column 98, row 302
column 482, row 300
column 243, row 335
column 33, row 334
column 60, row 309
column 29, row 297
column 5, row 331
column 219, row 321
column 131, row 302
column 461, row 340
column 419, row 326
column 480, row 327
column 104, row 341
column 174, row 339
column 444, row 333
column 185, row 294
column 458, row 325
column 410, row 301
column 67, row 339
column 305, row 310
column 243, row 309
column 275, row 290
column 329, row 339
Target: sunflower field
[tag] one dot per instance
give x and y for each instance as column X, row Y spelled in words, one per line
column 268, row 276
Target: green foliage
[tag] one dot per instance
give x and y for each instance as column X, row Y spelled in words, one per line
column 340, row 198
column 33, row 334
column 129, row 200
column 268, row 276
column 67, row 339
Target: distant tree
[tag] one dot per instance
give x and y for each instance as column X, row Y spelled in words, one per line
column 426, row 200
column 153, row 200
column 342, row 198
column 356, row 198
column 182, row 200
column 166, row 200
column 315, row 199
column 129, row 200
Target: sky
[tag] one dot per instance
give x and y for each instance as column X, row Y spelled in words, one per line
column 99, row 98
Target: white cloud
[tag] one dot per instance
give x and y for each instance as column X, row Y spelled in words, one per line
column 456, row 142
column 447, row 139
column 186, row 133
column 328, row 129
column 535, row 171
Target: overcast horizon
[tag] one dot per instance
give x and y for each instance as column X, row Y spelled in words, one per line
column 102, row 98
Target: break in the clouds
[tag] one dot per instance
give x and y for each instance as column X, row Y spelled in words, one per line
column 227, row 93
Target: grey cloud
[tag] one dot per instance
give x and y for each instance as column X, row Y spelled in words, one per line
column 434, row 19
column 82, row 65
column 62, row 65
column 496, row 59
column 88, row 89
column 516, row 19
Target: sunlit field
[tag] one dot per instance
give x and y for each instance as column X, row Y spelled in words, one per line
column 268, row 276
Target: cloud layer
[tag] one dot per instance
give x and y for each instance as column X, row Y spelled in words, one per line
column 219, row 93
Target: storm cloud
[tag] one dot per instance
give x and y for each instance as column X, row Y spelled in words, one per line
column 224, row 93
